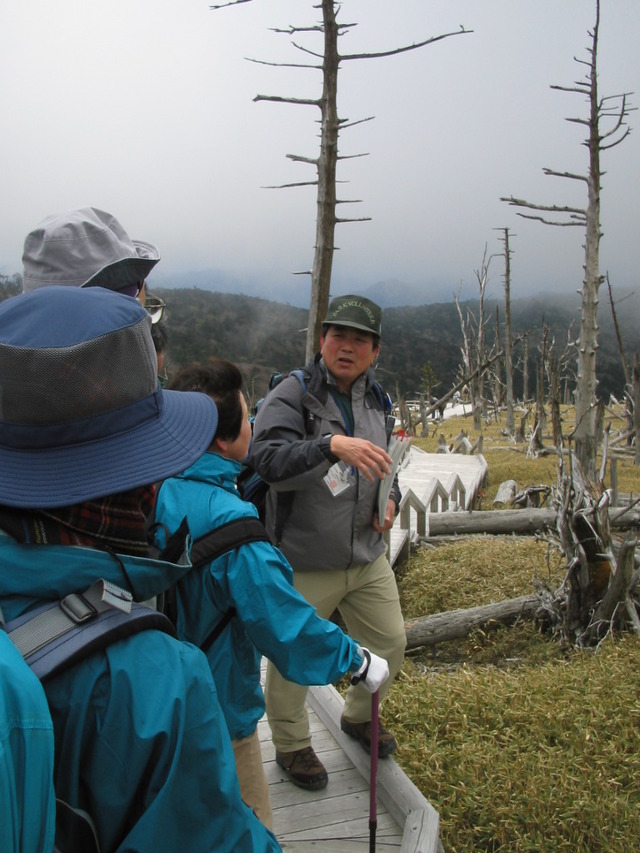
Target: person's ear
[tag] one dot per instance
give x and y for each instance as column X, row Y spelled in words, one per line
column 375, row 354
column 219, row 445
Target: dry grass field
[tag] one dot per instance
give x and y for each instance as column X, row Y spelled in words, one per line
column 520, row 743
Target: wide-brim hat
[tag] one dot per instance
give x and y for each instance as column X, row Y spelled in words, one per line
column 84, row 248
column 356, row 312
column 81, row 412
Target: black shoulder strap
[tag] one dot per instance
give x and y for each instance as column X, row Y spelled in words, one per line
column 225, row 538
column 212, row 545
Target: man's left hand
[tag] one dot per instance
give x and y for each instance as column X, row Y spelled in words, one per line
column 389, row 518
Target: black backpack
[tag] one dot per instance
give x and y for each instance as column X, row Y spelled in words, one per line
column 251, row 486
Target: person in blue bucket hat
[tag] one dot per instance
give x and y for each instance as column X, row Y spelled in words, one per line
column 140, row 741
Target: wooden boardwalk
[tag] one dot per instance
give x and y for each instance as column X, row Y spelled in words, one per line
column 336, row 819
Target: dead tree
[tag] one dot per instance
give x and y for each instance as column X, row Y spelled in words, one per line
column 631, row 399
column 473, row 348
column 496, row 384
column 636, row 409
column 613, row 110
column 508, row 361
column 597, row 594
column 326, row 162
column 525, row 370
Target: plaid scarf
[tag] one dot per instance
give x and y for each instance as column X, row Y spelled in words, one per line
column 116, row 522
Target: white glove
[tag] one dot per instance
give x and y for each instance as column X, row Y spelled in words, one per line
column 373, row 671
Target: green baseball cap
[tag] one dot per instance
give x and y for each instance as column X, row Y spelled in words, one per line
column 358, row 312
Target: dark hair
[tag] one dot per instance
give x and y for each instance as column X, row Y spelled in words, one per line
column 327, row 326
column 160, row 335
column 221, row 380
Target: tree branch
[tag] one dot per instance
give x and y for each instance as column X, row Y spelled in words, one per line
column 286, row 186
column 580, row 88
column 316, row 28
column 565, row 175
column 346, row 123
column 298, row 158
column 617, row 141
column 552, row 208
column 414, row 46
column 283, row 64
column 306, row 50
column 280, row 100
column 549, row 221
column 352, row 156
column 230, row 3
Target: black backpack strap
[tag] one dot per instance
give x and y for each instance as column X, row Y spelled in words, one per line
column 225, row 538
column 57, row 635
column 212, row 545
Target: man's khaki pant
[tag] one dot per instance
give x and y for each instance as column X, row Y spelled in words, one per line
column 254, row 788
column 367, row 598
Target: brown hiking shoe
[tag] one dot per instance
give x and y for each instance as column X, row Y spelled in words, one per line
column 304, row 768
column 362, row 733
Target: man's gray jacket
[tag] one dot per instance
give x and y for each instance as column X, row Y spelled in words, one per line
column 316, row 529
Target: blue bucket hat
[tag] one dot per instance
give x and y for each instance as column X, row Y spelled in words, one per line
column 81, row 412
column 84, row 248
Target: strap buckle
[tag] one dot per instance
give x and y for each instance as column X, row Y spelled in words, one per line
column 77, row 608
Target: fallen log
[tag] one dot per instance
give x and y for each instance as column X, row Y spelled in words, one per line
column 527, row 520
column 454, row 624
column 498, row 521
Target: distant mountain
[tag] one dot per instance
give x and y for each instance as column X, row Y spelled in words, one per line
column 294, row 290
column 263, row 336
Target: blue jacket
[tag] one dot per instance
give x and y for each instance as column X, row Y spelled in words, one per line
column 272, row 618
column 140, row 741
column 27, row 800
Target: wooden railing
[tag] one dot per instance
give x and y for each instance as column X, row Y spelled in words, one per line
column 437, row 498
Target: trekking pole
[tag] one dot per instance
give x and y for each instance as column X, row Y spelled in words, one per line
column 373, row 776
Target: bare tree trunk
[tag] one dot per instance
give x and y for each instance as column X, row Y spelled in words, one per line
column 636, row 407
column 525, row 370
column 554, row 399
column 585, row 434
column 508, row 365
column 326, row 198
column 623, row 357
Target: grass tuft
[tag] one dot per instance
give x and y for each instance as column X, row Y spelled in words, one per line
column 519, row 743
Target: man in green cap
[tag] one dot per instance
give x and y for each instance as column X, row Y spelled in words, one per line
column 321, row 444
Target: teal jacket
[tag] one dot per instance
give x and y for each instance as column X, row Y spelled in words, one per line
column 27, row 800
column 140, row 741
column 272, row 618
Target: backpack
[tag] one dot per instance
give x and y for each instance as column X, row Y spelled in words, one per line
column 59, row 634
column 253, row 488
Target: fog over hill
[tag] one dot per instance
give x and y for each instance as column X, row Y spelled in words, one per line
column 263, row 336
column 296, row 289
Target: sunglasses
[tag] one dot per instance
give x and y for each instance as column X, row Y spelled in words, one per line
column 154, row 307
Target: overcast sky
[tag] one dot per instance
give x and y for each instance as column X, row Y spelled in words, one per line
column 144, row 108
